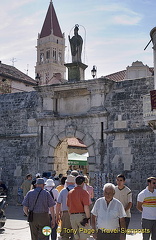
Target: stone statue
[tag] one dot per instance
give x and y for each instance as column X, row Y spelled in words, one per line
column 76, row 45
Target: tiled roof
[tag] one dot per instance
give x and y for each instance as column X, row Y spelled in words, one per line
column 13, row 73
column 120, row 76
column 51, row 24
column 75, row 142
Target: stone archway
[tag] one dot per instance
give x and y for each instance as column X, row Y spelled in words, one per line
column 71, row 131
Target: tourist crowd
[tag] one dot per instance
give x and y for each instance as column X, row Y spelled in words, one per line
column 68, row 202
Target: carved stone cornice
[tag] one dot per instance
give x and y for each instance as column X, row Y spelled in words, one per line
column 71, row 93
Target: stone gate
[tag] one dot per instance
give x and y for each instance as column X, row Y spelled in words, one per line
column 106, row 115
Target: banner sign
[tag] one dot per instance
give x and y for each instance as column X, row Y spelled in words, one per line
column 153, row 99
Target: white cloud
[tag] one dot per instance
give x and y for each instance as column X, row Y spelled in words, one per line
column 118, row 14
column 126, row 20
column 17, row 4
column 110, row 45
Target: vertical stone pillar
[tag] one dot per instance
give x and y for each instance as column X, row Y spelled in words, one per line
column 76, row 71
column 153, row 37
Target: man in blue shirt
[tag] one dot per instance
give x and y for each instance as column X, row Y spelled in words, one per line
column 40, row 208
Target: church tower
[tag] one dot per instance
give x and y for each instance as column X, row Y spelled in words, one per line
column 50, row 49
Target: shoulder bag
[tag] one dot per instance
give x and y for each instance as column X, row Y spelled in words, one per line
column 30, row 213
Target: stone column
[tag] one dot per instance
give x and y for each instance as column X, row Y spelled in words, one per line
column 153, row 37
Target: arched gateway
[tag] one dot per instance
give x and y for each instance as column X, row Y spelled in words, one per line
column 73, row 110
column 56, row 140
column 100, row 112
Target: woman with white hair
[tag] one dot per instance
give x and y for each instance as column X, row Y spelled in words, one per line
column 108, row 215
column 50, row 187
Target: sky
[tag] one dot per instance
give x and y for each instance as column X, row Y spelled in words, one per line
column 115, row 32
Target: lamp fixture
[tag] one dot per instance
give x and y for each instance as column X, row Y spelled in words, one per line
column 94, row 71
column 37, row 78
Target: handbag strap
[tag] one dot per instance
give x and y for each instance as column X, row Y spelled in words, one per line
column 36, row 199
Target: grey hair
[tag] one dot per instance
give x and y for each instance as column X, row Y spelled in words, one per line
column 109, row 185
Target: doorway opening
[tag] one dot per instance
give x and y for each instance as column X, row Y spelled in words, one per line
column 71, row 154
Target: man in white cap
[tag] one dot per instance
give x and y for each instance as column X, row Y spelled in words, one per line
column 74, row 173
column 62, row 209
column 50, row 187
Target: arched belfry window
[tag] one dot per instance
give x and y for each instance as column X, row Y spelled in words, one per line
column 48, row 54
column 41, row 57
column 54, row 54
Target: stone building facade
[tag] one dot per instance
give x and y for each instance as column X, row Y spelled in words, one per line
column 106, row 116
column 13, row 80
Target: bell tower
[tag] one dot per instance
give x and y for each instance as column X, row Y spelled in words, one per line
column 50, row 49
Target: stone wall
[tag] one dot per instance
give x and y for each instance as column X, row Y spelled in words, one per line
column 132, row 144
column 111, row 127
column 17, row 148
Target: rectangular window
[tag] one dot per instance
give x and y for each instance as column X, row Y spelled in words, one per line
column 55, row 105
column 41, row 136
column 48, row 54
column 101, row 131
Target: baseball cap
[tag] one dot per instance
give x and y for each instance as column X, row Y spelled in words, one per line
column 40, row 181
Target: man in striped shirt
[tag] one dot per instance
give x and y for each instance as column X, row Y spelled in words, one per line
column 146, row 203
column 124, row 195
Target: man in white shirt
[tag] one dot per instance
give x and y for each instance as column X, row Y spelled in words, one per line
column 108, row 215
column 146, row 203
column 124, row 195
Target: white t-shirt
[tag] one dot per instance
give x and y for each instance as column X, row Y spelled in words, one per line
column 149, row 204
column 108, row 216
column 55, row 193
column 124, row 196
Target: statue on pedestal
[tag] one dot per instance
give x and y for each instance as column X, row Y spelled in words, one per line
column 76, row 45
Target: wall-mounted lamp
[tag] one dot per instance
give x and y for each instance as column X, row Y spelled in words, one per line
column 94, row 71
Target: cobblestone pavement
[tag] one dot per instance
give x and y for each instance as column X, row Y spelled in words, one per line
column 17, row 228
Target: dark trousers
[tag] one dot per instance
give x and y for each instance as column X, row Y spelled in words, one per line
column 127, row 220
column 40, row 220
column 107, row 236
column 54, row 230
column 149, row 227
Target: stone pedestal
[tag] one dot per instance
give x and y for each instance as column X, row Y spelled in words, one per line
column 76, row 71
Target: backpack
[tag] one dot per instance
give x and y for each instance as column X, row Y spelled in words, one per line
column 68, row 189
column 51, row 193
